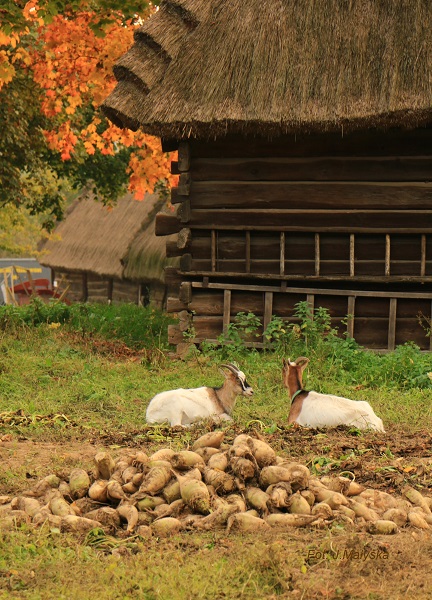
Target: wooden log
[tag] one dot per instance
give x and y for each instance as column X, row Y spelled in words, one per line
column 174, row 168
column 167, row 224
column 178, row 246
column 169, row 145
column 321, row 168
column 399, row 143
column 344, row 221
column 392, row 324
column 184, row 157
column 185, row 293
column 184, row 184
column 175, row 336
column 226, row 311
column 184, row 212
column 350, row 316
column 175, row 305
column 320, row 195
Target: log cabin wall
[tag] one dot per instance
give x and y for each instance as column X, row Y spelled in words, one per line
column 344, row 222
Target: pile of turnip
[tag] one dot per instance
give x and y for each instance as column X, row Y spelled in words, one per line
column 243, row 487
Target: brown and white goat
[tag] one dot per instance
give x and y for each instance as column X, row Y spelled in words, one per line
column 185, row 406
column 311, row 409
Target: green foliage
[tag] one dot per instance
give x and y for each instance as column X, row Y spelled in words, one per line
column 136, row 326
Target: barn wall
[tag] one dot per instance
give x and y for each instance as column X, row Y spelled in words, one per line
column 324, row 212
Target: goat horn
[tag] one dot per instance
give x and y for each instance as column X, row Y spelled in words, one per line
column 301, row 360
column 231, row 368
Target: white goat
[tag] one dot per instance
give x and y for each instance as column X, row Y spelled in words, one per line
column 185, row 406
column 311, row 409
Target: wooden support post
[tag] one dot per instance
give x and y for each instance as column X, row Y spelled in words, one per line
column 317, row 254
column 226, row 310
column 352, row 255
column 268, row 309
column 392, row 324
column 387, row 256
column 213, row 251
column 423, row 256
column 248, row 252
column 350, row 319
column 430, row 338
column 310, row 298
column 183, row 163
column 282, row 254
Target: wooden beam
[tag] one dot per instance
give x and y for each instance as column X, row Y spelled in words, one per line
column 226, row 310
column 423, row 256
column 350, row 315
column 317, row 254
column 185, row 292
column 282, row 253
column 174, row 168
column 268, row 309
column 213, row 250
column 184, row 184
column 184, row 212
column 352, row 255
column 169, row 145
column 167, row 224
column 392, row 324
column 248, row 252
column 184, row 156
column 387, row 256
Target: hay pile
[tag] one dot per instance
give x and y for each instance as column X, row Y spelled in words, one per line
column 241, row 487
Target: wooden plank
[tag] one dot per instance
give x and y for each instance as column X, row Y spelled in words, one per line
column 309, row 290
column 423, row 256
column 415, row 142
column 352, row 255
column 248, row 252
column 184, row 157
column 174, row 168
column 184, row 184
column 184, row 211
column 282, row 253
column 167, row 224
column 213, row 250
column 310, row 299
column 321, row 168
column 392, row 324
column 317, row 254
column 345, row 221
column 387, row 257
column 304, row 194
column 350, row 316
column 226, row 311
column 268, row 309
column 185, row 292
column 174, row 305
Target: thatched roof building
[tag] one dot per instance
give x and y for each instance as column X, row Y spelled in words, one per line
column 304, row 131
column 115, row 244
column 211, row 67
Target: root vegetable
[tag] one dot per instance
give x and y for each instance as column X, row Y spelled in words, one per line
column 140, row 460
column 84, row 505
column 337, row 484
column 237, row 501
column 155, row 480
column 382, row 526
column 213, row 439
column 290, row 520
column 310, row 496
column 65, row 491
column 105, row 465
column 129, row 473
column 379, row 500
column 417, row 520
column 299, row 475
column 417, row 499
column 273, row 474
column 263, row 453
column 162, row 454
column 129, row 488
column 115, row 491
column 218, row 461
column 144, row 531
column 108, row 516
column 171, row 491
column 59, row 507
column 29, row 505
column 322, row 509
column 13, row 519
column 186, row 459
column 44, row 516
column 348, row 512
column 79, row 483
column 280, row 494
column 165, row 527
column 245, row 522
column 220, row 480
column 45, row 484
column 396, row 515
column 363, row 511
column 195, row 494
column 355, row 489
column 149, row 502
column 98, row 491
column 242, row 467
column 78, row 524
column 257, row 499
column 299, row 505
column 159, row 463
column 129, row 514
column 217, row 518
column 207, row 453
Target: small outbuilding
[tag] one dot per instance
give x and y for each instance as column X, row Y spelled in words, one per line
column 109, row 253
column 304, row 131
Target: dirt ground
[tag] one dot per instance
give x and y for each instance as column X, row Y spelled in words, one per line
column 336, row 565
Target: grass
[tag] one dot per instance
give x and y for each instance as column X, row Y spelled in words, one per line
column 83, row 378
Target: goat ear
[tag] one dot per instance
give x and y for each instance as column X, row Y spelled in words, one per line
column 285, row 362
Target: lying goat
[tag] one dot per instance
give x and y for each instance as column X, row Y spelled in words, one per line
column 184, row 407
column 311, row 409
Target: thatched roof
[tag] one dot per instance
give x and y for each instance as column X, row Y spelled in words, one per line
column 209, row 67
column 117, row 243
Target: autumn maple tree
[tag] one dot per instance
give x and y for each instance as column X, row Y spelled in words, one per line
column 56, row 67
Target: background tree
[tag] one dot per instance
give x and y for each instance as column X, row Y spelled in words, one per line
column 56, row 61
